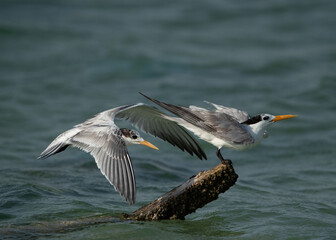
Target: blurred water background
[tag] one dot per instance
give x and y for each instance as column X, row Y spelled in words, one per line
column 62, row 61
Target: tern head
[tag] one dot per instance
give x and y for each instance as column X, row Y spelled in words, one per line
column 259, row 123
column 133, row 137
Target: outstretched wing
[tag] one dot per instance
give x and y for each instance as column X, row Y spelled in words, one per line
column 104, row 142
column 238, row 115
column 219, row 124
column 154, row 122
column 110, row 153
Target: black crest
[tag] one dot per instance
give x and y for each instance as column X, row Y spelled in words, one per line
column 253, row 120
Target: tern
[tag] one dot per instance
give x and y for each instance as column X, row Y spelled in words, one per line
column 223, row 126
column 106, row 142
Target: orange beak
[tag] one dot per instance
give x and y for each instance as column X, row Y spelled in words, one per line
column 282, row 117
column 148, row 144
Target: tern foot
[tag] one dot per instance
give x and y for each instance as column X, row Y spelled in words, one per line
column 223, row 161
column 226, row 161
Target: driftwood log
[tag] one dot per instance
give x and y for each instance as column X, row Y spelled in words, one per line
column 186, row 198
column 176, row 204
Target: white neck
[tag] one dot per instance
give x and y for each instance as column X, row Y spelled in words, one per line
column 257, row 130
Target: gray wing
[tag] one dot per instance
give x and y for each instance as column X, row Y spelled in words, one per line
column 184, row 113
column 106, row 118
column 236, row 114
column 227, row 127
column 218, row 124
column 109, row 150
column 154, row 122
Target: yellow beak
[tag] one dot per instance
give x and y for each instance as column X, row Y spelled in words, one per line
column 148, row 144
column 282, row 117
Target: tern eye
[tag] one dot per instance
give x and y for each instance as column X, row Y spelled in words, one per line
column 266, row 118
column 134, row 137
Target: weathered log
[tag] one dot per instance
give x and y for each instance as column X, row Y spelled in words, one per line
column 176, row 204
column 186, row 198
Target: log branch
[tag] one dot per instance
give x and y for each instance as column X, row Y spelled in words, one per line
column 186, row 198
column 176, row 204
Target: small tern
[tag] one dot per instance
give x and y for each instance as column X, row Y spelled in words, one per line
column 106, row 142
column 223, row 126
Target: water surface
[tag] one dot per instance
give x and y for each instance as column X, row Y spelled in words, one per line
column 63, row 61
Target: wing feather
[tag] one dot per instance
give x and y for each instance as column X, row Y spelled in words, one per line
column 217, row 123
column 236, row 114
column 154, row 122
column 110, row 152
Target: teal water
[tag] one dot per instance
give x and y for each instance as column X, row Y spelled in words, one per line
column 63, row 61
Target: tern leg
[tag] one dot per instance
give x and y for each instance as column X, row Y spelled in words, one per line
column 223, row 161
